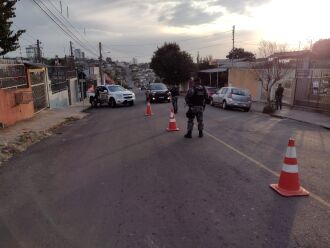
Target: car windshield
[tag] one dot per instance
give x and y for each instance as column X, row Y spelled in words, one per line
column 115, row 88
column 158, row 87
column 240, row 92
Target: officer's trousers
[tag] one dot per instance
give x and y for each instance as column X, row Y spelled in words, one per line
column 198, row 113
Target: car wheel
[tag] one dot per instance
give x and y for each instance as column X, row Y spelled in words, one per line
column 131, row 103
column 112, row 103
column 246, row 109
column 224, row 105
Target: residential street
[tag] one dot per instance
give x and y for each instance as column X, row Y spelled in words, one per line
column 117, row 179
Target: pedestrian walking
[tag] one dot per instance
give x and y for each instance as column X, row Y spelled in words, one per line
column 278, row 96
column 174, row 98
column 195, row 99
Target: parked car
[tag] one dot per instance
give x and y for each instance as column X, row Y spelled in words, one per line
column 232, row 97
column 158, row 92
column 112, row 95
column 210, row 91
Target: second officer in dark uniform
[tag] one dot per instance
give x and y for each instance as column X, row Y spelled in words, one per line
column 195, row 99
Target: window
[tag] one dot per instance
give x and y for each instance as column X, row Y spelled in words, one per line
column 158, row 87
column 240, row 92
column 115, row 88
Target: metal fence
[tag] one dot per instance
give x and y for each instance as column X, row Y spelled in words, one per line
column 13, row 76
column 59, row 76
column 313, row 89
column 38, row 83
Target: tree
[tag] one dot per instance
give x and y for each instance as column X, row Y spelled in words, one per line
column 271, row 69
column 321, row 49
column 171, row 64
column 239, row 53
column 8, row 38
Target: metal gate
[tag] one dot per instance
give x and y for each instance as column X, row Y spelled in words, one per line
column 313, row 89
column 38, row 84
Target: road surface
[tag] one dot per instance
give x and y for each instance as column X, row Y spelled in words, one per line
column 118, row 179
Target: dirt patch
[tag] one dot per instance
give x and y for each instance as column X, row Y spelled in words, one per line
column 28, row 138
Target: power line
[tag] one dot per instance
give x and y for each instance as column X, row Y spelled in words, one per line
column 65, row 31
column 76, row 38
column 26, row 33
column 67, row 20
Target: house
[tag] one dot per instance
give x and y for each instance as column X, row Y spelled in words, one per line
column 22, row 91
column 306, row 83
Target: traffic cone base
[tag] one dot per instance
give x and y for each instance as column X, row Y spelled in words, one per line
column 172, row 129
column 300, row 192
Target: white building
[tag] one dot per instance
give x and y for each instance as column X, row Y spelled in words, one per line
column 78, row 54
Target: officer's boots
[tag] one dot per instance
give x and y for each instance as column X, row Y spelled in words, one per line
column 188, row 135
column 200, row 134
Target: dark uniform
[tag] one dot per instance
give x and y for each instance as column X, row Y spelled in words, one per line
column 195, row 99
column 174, row 95
column 278, row 96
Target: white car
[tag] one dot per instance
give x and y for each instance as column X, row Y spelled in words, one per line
column 111, row 94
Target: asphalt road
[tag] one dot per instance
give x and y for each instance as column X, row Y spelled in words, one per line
column 118, row 179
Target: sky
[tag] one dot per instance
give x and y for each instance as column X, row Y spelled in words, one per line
column 135, row 28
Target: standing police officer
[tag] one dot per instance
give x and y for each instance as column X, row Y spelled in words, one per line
column 174, row 97
column 195, row 99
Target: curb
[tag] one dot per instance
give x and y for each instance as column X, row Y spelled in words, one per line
column 289, row 118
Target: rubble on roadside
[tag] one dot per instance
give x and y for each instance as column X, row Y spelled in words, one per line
column 27, row 139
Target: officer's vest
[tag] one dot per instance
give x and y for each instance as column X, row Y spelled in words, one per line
column 199, row 96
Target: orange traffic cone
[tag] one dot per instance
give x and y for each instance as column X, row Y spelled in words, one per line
column 172, row 123
column 289, row 179
column 148, row 112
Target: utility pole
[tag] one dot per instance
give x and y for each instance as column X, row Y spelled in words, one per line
column 100, row 62
column 232, row 59
column 71, row 49
column 38, row 52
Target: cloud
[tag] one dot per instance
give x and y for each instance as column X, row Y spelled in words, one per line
column 186, row 14
column 127, row 28
column 237, row 6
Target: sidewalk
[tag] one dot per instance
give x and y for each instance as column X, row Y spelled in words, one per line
column 20, row 136
column 319, row 119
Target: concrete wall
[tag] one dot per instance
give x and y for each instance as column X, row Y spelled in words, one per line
column 58, row 99
column 10, row 112
column 74, row 90
column 245, row 78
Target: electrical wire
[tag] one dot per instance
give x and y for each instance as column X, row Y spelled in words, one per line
column 67, row 33
column 76, row 38
column 67, row 20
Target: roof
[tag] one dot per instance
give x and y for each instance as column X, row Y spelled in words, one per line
column 213, row 70
column 292, row 54
column 34, row 65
